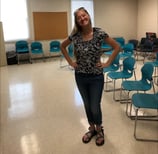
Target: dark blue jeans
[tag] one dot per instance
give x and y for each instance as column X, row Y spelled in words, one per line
column 91, row 88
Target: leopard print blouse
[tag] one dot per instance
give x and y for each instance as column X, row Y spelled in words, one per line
column 88, row 53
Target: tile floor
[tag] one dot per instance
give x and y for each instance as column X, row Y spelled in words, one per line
column 41, row 112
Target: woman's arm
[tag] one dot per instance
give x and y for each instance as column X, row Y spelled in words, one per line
column 116, row 50
column 63, row 47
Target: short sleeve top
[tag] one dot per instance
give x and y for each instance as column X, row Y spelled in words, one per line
column 88, row 53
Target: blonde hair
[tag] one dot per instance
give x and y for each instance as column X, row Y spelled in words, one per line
column 77, row 27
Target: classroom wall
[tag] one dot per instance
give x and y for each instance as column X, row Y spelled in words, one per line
column 48, row 6
column 3, row 60
column 44, row 6
column 127, row 18
column 147, row 17
column 117, row 17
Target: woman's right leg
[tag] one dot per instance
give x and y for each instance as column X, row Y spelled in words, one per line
column 83, row 88
column 84, row 91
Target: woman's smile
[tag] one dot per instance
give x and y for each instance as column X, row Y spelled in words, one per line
column 82, row 18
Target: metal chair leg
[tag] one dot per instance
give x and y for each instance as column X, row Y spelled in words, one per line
column 114, row 92
column 18, row 58
column 107, row 80
column 135, row 131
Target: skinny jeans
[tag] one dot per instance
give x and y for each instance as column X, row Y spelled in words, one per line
column 91, row 87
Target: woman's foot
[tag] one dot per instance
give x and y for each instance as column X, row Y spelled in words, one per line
column 89, row 135
column 100, row 137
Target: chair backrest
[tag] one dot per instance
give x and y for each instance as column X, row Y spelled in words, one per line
column 114, row 65
column 128, row 48
column 148, row 44
column 155, row 41
column 120, row 40
column 157, row 56
column 134, row 42
column 150, row 35
column 104, row 45
column 71, row 50
column 147, row 72
column 155, row 45
column 21, row 46
column 128, row 65
column 55, row 46
column 142, row 41
column 116, row 61
column 36, row 46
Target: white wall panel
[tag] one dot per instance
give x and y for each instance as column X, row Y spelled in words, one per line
column 3, row 60
column 147, row 17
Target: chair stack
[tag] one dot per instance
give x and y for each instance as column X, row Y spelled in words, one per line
column 139, row 96
column 143, row 85
column 70, row 53
column 147, row 102
column 147, row 47
column 54, row 48
column 127, row 50
column 22, row 48
column 124, row 74
column 155, row 65
column 36, row 49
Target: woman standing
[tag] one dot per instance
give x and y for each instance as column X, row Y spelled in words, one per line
column 88, row 67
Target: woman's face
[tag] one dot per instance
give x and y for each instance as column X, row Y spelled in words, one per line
column 82, row 18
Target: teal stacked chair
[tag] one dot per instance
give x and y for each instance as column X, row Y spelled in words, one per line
column 71, row 50
column 106, row 48
column 22, row 48
column 115, row 65
column 155, row 64
column 37, row 49
column 124, row 74
column 54, row 48
column 120, row 40
column 127, row 50
column 147, row 102
column 143, row 85
column 134, row 42
column 71, row 54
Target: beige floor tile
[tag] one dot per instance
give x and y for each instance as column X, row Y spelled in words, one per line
column 42, row 113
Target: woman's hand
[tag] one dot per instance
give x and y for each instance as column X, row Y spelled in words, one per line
column 102, row 65
column 73, row 64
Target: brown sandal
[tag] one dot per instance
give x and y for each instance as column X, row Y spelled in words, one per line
column 88, row 136
column 100, row 137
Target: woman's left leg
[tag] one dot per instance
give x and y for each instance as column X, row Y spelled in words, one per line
column 96, row 89
column 95, row 93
